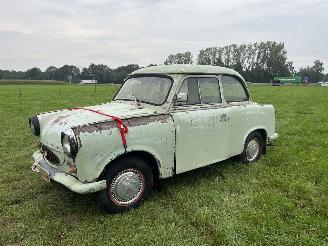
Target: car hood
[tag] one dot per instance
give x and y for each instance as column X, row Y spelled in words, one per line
column 54, row 123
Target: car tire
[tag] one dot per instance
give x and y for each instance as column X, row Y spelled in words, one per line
column 253, row 148
column 129, row 182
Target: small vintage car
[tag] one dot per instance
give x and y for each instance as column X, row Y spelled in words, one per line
column 164, row 120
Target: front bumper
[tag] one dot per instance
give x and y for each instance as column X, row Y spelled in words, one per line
column 48, row 172
column 273, row 138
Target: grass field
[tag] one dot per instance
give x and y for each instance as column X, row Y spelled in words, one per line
column 280, row 200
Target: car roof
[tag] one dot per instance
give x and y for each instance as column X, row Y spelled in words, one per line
column 186, row 69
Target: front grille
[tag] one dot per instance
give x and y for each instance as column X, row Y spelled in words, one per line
column 49, row 155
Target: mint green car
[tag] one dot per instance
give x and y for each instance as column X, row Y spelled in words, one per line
column 164, row 120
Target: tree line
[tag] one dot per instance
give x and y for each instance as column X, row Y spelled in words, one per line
column 256, row 62
column 100, row 72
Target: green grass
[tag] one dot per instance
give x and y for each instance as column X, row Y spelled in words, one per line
column 280, row 200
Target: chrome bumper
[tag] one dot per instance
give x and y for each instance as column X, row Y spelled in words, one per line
column 273, row 138
column 48, row 172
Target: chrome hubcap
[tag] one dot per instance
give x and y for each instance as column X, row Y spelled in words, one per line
column 127, row 187
column 252, row 150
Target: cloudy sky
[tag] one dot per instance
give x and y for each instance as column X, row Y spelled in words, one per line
column 119, row 32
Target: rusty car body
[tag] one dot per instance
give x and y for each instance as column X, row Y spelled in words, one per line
column 165, row 120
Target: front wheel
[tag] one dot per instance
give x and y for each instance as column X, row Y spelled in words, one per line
column 129, row 181
column 253, row 148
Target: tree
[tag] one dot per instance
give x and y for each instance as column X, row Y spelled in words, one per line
column 210, row 56
column 51, row 73
column 99, row 72
column 315, row 73
column 68, row 70
column 120, row 73
column 179, row 58
column 85, row 74
column 305, row 72
column 34, row 73
column 318, row 69
column 291, row 68
column 318, row 66
column 257, row 62
column 6, row 74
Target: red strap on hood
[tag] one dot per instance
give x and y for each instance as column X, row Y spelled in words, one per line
column 122, row 128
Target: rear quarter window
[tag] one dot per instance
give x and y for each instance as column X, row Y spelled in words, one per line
column 233, row 90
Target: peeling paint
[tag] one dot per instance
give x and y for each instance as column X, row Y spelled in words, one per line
column 102, row 143
column 59, row 120
column 132, row 122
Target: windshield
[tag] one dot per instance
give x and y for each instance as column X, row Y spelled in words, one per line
column 153, row 90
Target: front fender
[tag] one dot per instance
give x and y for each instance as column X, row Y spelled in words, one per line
column 101, row 143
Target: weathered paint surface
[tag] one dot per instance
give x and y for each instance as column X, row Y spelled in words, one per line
column 99, row 137
column 248, row 117
column 187, row 69
column 217, row 132
column 65, row 179
column 200, row 131
column 102, row 143
column 168, row 133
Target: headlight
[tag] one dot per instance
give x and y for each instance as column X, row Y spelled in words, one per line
column 35, row 125
column 69, row 143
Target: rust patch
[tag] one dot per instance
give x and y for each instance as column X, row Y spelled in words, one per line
column 145, row 120
column 59, row 120
column 77, row 134
column 95, row 127
column 132, row 122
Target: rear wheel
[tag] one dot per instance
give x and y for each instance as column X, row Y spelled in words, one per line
column 129, row 182
column 253, row 148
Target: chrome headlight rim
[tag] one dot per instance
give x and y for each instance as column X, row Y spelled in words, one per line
column 69, row 143
column 34, row 125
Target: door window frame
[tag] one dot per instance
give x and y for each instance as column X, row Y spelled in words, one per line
column 201, row 105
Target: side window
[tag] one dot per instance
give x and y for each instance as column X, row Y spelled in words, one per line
column 190, row 87
column 209, row 90
column 233, row 90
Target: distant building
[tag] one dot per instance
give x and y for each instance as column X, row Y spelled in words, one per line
column 91, row 81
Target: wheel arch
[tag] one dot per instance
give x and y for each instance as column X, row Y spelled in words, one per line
column 149, row 158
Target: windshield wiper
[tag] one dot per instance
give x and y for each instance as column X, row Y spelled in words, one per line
column 136, row 99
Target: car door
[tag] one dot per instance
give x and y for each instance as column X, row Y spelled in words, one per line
column 236, row 97
column 202, row 124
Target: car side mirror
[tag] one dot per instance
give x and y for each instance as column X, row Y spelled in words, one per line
column 181, row 98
